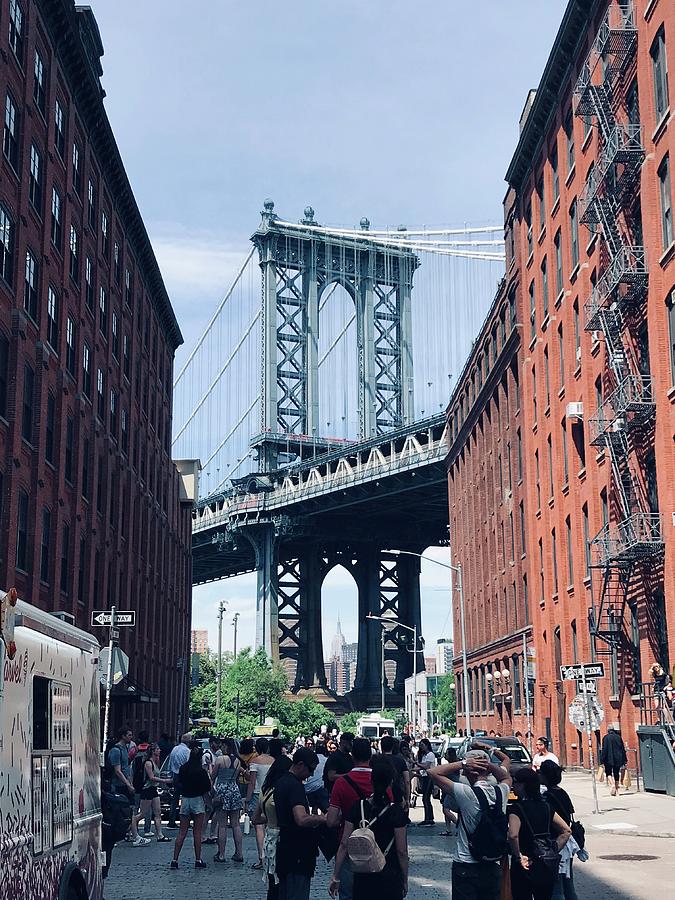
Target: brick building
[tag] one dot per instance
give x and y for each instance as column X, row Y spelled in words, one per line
column 589, row 242
column 199, row 641
column 93, row 511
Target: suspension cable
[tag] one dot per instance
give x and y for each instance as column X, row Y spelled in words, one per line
column 231, row 432
column 215, row 316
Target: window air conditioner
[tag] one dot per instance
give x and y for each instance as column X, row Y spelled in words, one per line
column 575, row 411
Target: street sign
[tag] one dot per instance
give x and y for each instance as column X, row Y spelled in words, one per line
column 120, row 665
column 577, row 671
column 591, row 686
column 102, row 617
column 577, row 712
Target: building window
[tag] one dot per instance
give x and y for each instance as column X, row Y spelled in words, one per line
column 59, row 130
column 129, row 288
column 671, row 333
column 22, row 531
column 86, row 370
column 113, row 413
column 125, row 432
column 100, row 393
column 666, row 203
column 542, row 595
column 534, row 395
column 105, row 236
column 116, row 262
column 74, row 255
column 27, row 405
column 57, row 223
column 82, row 572
column 52, row 318
column 533, row 311
column 544, row 286
column 604, row 508
column 574, row 234
column 542, row 205
column 65, row 559
column 16, row 35
column 91, row 205
column 660, row 74
column 35, row 180
column 4, row 376
column 538, row 480
column 587, row 545
column 44, row 545
column 569, row 134
column 575, row 642
column 570, row 552
column 523, row 539
column 69, row 453
column 633, row 103
column 528, row 223
column 102, row 312
column 557, row 243
column 549, row 450
column 577, row 332
column 85, row 468
column 100, row 486
column 127, row 356
column 566, row 473
column 77, row 169
column 30, row 286
column 561, row 355
column 6, row 246
column 547, row 378
column 115, row 335
column 49, row 428
column 10, row 144
column 89, row 284
column 556, row 176
column 554, row 555
column 39, row 83
column 71, row 364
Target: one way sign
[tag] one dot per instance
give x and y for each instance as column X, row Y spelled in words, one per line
column 577, row 671
column 122, row 619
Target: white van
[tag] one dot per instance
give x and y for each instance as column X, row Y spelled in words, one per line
column 373, row 726
column 50, row 808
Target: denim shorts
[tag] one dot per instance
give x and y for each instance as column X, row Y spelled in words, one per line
column 192, row 806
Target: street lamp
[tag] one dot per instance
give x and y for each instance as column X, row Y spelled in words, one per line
column 261, row 710
column 391, row 621
column 460, row 589
column 235, row 622
column 222, row 606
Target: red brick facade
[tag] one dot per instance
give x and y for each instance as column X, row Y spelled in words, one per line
column 578, row 291
column 91, row 514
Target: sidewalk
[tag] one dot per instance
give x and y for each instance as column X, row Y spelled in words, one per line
column 633, row 813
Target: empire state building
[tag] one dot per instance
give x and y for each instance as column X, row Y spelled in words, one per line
column 341, row 665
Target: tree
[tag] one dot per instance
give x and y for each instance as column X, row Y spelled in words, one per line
column 446, row 703
column 251, row 682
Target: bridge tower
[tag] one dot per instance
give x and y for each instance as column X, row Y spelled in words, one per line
column 299, row 263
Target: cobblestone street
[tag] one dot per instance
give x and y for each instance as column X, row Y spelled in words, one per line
column 621, row 867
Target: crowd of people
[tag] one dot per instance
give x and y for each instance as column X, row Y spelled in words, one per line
column 350, row 802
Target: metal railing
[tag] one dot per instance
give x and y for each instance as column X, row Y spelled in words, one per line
column 622, row 144
column 632, row 539
column 631, row 403
column 656, row 707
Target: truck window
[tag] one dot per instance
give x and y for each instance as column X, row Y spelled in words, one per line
column 41, row 704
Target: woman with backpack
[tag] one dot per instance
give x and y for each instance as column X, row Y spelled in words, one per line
column 227, row 800
column 560, row 802
column 194, row 783
column 376, row 841
column 537, row 834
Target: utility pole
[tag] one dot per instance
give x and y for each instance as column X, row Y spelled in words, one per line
column 382, row 707
column 414, row 681
column 219, row 676
column 235, row 620
column 526, row 678
column 465, row 667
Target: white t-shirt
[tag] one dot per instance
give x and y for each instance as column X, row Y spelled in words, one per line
column 469, row 808
column 427, row 761
column 315, row 781
column 539, row 758
column 261, row 771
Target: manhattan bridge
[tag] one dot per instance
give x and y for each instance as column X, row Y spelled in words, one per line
column 315, row 401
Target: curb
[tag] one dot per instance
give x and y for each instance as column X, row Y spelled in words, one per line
column 631, row 832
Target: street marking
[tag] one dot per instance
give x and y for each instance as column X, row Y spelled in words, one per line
column 614, row 825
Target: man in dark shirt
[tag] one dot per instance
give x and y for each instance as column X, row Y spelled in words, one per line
column 401, row 784
column 297, row 848
column 340, row 762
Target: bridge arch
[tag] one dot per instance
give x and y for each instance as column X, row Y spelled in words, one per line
column 338, row 361
column 339, row 613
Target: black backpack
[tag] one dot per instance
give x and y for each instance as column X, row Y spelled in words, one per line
column 544, row 855
column 487, row 842
column 116, row 810
column 138, row 772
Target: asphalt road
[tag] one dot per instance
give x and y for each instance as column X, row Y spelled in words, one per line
column 621, row 867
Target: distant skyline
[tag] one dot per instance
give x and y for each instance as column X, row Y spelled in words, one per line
column 377, row 110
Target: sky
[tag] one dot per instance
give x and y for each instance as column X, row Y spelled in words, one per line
column 399, row 112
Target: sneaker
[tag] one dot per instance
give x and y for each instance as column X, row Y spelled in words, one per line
column 200, row 864
column 171, row 825
column 173, row 864
column 140, row 842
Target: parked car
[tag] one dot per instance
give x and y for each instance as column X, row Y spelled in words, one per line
column 511, row 745
column 442, row 743
column 164, row 790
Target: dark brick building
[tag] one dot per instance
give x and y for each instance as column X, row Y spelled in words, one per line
column 590, row 236
column 91, row 512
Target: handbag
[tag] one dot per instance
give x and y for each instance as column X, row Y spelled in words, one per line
column 329, row 841
column 578, row 832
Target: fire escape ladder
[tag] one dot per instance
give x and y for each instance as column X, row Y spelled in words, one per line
column 607, row 620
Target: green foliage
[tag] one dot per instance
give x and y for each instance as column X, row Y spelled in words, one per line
column 445, row 703
column 304, row 717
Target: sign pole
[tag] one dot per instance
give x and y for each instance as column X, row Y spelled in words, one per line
column 589, row 734
column 108, row 684
column 526, row 673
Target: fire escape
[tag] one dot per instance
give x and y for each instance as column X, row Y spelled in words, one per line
column 633, row 534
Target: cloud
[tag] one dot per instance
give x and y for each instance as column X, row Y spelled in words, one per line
column 197, row 264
